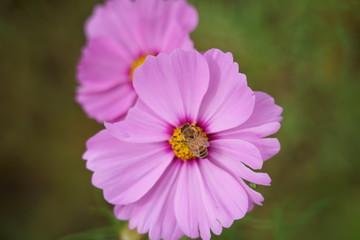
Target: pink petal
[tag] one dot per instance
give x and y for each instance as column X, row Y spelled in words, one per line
column 231, row 163
column 207, row 198
column 173, row 85
column 243, row 151
column 268, row 147
column 260, row 131
column 119, row 32
column 115, row 20
column 173, row 38
column 228, row 101
column 155, row 212
column 253, row 196
column 162, row 21
column 187, row 15
column 141, row 125
column 110, row 104
column 125, row 171
column 106, row 92
column 144, row 24
column 103, row 65
column 221, row 151
column 264, row 121
column 265, row 111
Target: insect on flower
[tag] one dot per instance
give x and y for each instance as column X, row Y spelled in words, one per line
column 182, row 160
column 196, row 142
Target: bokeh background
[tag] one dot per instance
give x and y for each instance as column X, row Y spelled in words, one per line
column 304, row 53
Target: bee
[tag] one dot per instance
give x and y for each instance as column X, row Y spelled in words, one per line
column 195, row 141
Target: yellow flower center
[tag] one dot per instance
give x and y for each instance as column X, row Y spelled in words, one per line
column 137, row 63
column 179, row 143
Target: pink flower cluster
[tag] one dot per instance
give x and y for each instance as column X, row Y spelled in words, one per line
column 183, row 131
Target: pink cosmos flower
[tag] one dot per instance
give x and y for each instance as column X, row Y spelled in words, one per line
column 148, row 167
column 121, row 33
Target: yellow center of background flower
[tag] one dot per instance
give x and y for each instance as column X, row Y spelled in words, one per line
column 137, row 63
column 181, row 149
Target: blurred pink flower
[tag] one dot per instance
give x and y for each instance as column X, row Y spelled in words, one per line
column 120, row 34
column 150, row 175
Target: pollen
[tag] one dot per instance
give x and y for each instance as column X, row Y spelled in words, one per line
column 137, row 63
column 180, row 146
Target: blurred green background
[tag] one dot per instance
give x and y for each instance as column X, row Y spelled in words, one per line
column 304, row 53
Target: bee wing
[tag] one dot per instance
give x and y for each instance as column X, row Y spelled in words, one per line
column 194, row 149
column 203, row 142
